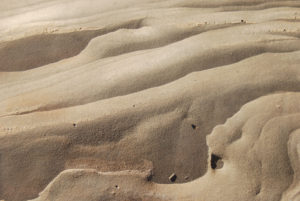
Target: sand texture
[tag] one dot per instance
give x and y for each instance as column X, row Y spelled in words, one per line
column 150, row 100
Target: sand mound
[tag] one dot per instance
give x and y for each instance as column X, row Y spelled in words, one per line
column 103, row 100
column 257, row 147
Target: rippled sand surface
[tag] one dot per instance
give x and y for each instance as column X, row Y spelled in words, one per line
column 166, row 100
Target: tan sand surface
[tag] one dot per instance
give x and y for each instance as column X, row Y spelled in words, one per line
column 129, row 100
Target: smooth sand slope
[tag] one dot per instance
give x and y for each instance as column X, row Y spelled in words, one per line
column 105, row 100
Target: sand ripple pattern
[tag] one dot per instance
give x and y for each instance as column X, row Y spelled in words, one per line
column 104, row 100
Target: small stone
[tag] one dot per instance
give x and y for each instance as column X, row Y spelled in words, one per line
column 172, row 177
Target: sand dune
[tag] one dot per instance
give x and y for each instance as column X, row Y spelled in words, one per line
column 105, row 100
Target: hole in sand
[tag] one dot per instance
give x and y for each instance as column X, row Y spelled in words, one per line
column 194, row 126
column 216, row 162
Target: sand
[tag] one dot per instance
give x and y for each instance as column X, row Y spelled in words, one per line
column 188, row 100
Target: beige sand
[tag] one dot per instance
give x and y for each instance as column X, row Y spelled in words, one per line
column 105, row 100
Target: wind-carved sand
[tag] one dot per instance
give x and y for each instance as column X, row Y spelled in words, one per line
column 187, row 100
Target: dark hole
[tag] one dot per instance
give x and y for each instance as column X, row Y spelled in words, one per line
column 116, row 186
column 74, row 125
column 193, row 126
column 173, row 177
column 242, row 21
column 216, row 162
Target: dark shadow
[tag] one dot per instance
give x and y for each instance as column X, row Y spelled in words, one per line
column 172, row 177
column 194, row 126
column 38, row 50
column 34, row 51
column 216, row 162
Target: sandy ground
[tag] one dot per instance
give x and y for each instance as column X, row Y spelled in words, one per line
column 188, row 100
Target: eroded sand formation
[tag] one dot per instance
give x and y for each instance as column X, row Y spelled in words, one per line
column 104, row 100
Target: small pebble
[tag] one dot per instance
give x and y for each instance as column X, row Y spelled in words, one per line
column 173, row 177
